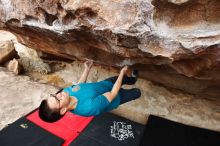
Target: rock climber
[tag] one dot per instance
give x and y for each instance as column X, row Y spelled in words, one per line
column 90, row 99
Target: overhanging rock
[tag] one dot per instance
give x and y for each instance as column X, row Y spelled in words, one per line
column 174, row 43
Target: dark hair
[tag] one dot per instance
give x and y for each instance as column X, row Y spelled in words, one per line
column 47, row 114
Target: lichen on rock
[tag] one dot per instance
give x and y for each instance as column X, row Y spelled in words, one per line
column 34, row 65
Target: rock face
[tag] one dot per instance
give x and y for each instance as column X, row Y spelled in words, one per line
column 7, row 51
column 14, row 66
column 172, row 42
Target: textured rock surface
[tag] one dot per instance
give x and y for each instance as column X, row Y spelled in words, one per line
column 14, row 66
column 19, row 96
column 7, row 51
column 28, row 58
column 172, row 42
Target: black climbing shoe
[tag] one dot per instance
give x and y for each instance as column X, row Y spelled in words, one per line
column 134, row 73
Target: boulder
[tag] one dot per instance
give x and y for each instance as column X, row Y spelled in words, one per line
column 174, row 43
column 14, row 66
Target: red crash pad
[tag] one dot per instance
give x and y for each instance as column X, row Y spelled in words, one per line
column 67, row 128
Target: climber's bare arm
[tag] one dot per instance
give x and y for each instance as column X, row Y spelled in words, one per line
column 113, row 93
column 88, row 64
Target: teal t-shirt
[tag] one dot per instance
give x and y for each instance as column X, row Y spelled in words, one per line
column 91, row 102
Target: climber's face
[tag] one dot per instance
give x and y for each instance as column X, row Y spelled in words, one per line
column 59, row 101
